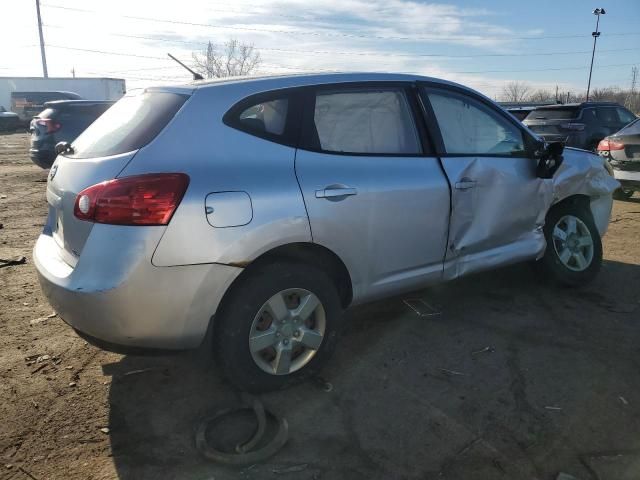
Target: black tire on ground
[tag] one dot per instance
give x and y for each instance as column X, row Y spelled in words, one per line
column 622, row 194
column 232, row 323
column 551, row 266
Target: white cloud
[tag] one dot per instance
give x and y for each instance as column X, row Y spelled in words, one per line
column 368, row 34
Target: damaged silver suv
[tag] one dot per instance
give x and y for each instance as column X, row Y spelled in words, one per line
column 261, row 208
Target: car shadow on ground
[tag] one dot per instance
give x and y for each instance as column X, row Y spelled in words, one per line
column 513, row 378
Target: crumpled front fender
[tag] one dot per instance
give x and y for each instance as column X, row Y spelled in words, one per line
column 584, row 173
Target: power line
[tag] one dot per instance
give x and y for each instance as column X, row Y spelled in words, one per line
column 329, row 34
column 364, row 54
column 105, row 52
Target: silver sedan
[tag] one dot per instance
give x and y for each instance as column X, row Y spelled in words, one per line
column 262, row 208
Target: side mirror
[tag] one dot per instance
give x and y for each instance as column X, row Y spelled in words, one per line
column 549, row 159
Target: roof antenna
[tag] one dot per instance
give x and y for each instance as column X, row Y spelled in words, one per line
column 196, row 76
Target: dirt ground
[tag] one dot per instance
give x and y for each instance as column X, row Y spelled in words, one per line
column 413, row 396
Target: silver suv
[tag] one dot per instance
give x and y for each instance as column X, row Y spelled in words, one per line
column 262, row 208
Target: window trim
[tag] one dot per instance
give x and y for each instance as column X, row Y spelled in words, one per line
column 424, row 87
column 291, row 134
column 424, row 140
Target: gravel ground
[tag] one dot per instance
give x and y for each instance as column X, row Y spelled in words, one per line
column 557, row 389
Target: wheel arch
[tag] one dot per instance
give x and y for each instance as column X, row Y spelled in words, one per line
column 309, row 254
column 599, row 207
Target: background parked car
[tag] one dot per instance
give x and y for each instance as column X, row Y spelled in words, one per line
column 622, row 150
column 8, row 120
column 28, row 104
column 61, row 121
column 520, row 110
column 580, row 125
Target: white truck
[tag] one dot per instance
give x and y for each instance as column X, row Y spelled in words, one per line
column 26, row 95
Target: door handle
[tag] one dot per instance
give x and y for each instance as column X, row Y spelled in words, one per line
column 465, row 184
column 332, row 192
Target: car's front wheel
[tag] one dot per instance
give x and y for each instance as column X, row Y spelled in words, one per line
column 574, row 250
column 278, row 326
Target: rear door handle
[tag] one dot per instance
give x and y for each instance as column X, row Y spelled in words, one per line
column 465, row 184
column 332, row 192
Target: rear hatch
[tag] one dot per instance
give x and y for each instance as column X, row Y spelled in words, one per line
column 100, row 153
column 554, row 121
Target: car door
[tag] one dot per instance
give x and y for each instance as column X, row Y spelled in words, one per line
column 498, row 202
column 374, row 191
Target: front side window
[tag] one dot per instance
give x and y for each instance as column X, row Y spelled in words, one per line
column 364, row 121
column 469, row 127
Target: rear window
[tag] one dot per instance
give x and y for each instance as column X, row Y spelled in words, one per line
column 130, row 124
column 553, row 114
column 47, row 113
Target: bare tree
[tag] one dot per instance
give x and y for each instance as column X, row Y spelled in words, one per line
column 234, row 60
column 515, row 92
column 542, row 96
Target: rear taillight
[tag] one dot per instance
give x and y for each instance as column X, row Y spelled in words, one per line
column 139, row 200
column 51, row 125
column 608, row 145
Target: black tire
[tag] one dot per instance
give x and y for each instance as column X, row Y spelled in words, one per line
column 622, row 194
column 551, row 266
column 232, row 324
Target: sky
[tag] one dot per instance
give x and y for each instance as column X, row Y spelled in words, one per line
column 480, row 44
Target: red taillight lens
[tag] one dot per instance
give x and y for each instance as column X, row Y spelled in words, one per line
column 140, row 200
column 607, row 145
column 51, row 125
column 614, row 145
column 603, row 146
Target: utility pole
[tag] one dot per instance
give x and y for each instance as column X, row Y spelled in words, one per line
column 597, row 12
column 45, row 73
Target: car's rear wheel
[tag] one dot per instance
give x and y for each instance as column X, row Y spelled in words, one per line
column 278, row 326
column 574, row 250
column 622, row 194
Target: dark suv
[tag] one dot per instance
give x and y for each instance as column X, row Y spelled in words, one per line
column 61, row 121
column 580, row 125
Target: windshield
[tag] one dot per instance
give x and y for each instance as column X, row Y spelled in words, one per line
column 130, row 124
column 553, row 114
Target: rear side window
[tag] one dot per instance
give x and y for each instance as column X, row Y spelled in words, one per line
column 269, row 117
column 363, row 121
column 553, row 114
column 130, row 124
column 625, row 115
column 607, row 115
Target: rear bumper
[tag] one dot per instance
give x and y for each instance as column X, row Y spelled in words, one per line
column 629, row 180
column 115, row 295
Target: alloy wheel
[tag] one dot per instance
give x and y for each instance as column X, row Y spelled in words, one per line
column 573, row 243
column 287, row 331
